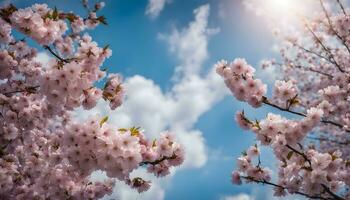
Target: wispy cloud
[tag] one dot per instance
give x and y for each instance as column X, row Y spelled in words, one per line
column 238, row 197
column 154, row 7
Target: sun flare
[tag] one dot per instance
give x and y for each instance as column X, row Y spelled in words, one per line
column 283, row 7
column 282, row 13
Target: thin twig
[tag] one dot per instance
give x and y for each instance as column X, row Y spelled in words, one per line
column 332, row 28
column 54, row 54
column 330, row 55
column 342, row 7
column 329, row 140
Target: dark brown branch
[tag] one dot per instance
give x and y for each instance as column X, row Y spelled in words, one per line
column 335, row 196
column 300, row 153
column 284, row 188
column 266, row 101
column 31, row 89
column 308, row 69
column 313, row 52
column 342, row 7
column 159, row 160
column 54, row 54
column 347, row 142
column 319, row 72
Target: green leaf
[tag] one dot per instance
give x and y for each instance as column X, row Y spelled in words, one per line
column 290, row 154
column 102, row 20
column 70, row 17
column 123, row 130
column 107, row 96
column 106, row 47
column 347, row 163
column 103, row 120
column 104, row 69
column 135, row 131
column 55, row 14
column 154, row 143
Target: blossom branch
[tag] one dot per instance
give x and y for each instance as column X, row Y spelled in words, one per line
column 159, row 160
column 307, row 69
column 267, row 102
column 262, row 181
column 329, row 140
column 54, row 54
column 328, row 52
column 332, row 28
column 313, row 52
column 300, row 153
column 31, row 89
column 342, row 7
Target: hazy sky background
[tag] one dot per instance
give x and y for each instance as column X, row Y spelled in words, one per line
column 165, row 51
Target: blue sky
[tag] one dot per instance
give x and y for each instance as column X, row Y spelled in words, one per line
column 140, row 47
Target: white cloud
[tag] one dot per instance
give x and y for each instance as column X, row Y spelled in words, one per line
column 43, row 58
column 154, row 7
column 190, row 44
column 238, row 197
column 177, row 109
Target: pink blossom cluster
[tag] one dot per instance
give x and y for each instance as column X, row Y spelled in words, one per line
column 285, row 90
column 44, row 152
column 114, row 91
column 311, row 149
column 119, row 151
column 5, row 32
column 247, row 168
column 35, row 22
column 239, row 78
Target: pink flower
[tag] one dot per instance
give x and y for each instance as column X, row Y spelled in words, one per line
column 236, row 178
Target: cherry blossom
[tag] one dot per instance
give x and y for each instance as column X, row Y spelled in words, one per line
column 311, row 148
column 44, row 152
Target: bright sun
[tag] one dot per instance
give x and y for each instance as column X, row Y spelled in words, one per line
column 283, row 7
column 282, row 11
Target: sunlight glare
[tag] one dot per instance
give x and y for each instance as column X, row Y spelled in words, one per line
column 283, row 8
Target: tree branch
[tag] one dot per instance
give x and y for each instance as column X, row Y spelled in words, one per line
column 332, row 28
column 342, row 7
column 30, row 89
column 284, row 188
column 300, row 153
column 347, row 142
column 330, row 55
column 54, row 54
column 158, row 161
column 266, row 101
